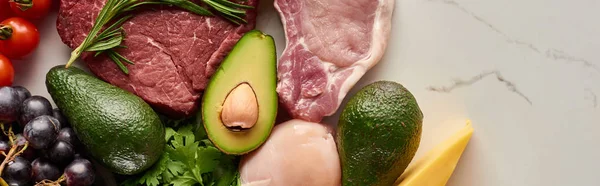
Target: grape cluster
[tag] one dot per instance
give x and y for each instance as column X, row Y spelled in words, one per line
column 46, row 152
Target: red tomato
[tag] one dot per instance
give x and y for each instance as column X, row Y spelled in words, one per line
column 5, row 11
column 23, row 40
column 7, row 73
column 38, row 9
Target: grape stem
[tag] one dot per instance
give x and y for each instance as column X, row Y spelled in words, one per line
column 2, row 182
column 52, row 183
column 4, row 131
column 8, row 158
column 13, row 152
column 22, row 149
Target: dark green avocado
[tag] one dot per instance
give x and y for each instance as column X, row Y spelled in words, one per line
column 117, row 128
column 378, row 134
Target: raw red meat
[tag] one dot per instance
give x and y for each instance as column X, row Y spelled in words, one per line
column 175, row 52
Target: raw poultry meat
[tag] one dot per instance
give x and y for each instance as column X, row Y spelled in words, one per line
column 298, row 153
column 330, row 46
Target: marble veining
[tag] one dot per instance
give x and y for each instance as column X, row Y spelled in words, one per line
column 551, row 53
column 462, row 83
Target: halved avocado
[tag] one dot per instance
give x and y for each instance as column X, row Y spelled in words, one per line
column 240, row 102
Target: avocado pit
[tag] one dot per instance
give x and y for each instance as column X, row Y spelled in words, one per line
column 240, row 109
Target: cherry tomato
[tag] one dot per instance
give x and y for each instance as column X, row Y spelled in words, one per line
column 7, row 73
column 37, row 9
column 5, row 11
column 23, row 40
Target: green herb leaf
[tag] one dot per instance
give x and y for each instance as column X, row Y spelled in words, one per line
column 225, row 11
column 174, row 168
column 117, row 60
column 235, row 181
column 106, row 44
column 109, row 34
column 208, row 159
column 185, row 154
column 169, row 133
column 189, row 6
column 119, row 22
column 226, row 173
column 186, row 180
column 98, row 53
column 234, row 5
column 224, row 8
column 185, row 146
column 121, row 57
column 152, row 176
column 189, row 161
column 187, row 132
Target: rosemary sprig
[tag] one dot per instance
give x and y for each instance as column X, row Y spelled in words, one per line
column 112, row 36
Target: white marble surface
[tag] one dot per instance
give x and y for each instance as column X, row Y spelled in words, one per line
column 526, row 72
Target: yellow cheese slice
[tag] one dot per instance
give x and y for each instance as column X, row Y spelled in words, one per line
column 435, row 168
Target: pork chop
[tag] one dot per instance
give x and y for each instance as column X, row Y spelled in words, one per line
column 175, row 52
column 330, row 46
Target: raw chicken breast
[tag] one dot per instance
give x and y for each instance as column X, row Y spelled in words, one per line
column 298, row 153
column 330, row 46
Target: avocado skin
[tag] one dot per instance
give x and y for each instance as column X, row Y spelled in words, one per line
column 378, row 134
column 117, row 128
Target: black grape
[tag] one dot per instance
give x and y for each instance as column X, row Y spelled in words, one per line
column 69, row 136
column 4, row 147
column 17, row 171
column 80, row 173
column 60, row 117
column 33, row 107
column 60, row 153
column 22, row 92
column 41, row 132
column 9, row 104
column 42, row 169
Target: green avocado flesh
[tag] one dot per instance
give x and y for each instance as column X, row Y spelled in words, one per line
column 378, row 134
column 118, row 129
column 252, row 61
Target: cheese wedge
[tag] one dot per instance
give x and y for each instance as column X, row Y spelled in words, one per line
column 435, row 168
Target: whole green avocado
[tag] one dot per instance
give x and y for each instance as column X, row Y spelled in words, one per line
column 117, row 128
column 378, row 134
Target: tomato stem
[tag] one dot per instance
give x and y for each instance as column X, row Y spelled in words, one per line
column 23, row 4
column 5, row 32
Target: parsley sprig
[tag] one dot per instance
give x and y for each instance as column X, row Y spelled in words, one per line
column 105, row 41
column 189, row 159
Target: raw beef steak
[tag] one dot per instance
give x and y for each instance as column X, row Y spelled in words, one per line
column 175, row 52
column 330, row 46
